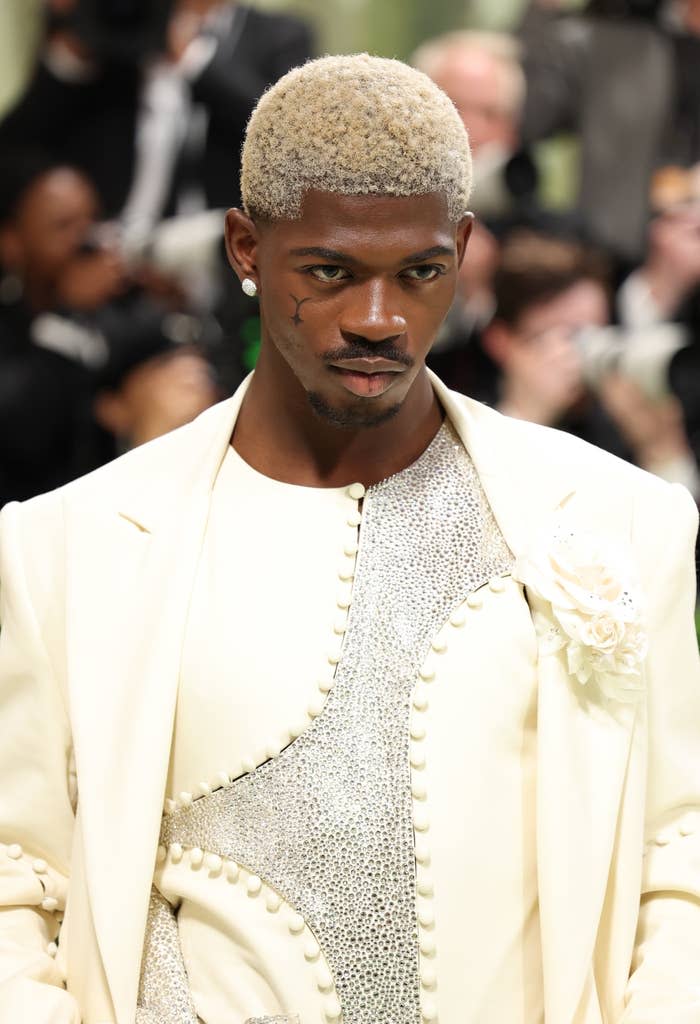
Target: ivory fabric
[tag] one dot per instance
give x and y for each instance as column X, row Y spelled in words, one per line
column 96, row 583
column 271, row 556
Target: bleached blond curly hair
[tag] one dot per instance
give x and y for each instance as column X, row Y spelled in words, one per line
column 355, row 125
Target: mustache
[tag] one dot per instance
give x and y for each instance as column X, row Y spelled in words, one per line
column 376, row 349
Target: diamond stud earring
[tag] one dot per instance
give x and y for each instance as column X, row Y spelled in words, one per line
column 249, row 286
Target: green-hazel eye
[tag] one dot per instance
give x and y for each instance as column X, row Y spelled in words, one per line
column 426, row 272
column 326, row 273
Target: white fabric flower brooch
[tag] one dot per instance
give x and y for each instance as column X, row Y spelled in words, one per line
column 591, row 609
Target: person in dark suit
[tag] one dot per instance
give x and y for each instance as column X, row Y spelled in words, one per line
column 145, row 129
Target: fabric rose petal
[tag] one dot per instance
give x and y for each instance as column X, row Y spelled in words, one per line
column 593, row 612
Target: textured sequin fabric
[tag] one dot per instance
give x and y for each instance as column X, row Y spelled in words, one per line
column 164, row 993
column 328, row 823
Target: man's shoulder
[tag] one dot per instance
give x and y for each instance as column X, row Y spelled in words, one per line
column 534, row 449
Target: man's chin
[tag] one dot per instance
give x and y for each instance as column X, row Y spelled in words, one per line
column 364, row 414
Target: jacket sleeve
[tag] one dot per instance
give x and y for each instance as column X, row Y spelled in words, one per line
column 36, row 806
column 665, row 981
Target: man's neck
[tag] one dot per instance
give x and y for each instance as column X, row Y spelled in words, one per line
column 278, row 433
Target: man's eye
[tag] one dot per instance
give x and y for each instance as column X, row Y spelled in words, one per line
column 326, row 273
column 427, row 272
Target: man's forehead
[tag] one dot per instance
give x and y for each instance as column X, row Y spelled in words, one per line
column 369, row 222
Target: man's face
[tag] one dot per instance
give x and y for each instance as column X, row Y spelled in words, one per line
column 479, row 87
column 351, row 297
column 51, row 224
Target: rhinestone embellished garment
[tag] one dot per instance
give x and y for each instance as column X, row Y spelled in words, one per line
column 328, row 823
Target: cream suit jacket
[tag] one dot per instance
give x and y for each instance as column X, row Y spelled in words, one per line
column 95, row 584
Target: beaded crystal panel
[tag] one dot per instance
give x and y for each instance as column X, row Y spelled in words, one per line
column 328, row 823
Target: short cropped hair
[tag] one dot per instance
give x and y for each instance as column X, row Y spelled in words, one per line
column 354, row 125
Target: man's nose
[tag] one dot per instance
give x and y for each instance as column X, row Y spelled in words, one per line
column 373, row 312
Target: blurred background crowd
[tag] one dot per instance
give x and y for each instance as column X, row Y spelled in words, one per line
column 121, row 123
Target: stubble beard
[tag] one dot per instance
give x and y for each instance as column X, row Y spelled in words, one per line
column 350, row 419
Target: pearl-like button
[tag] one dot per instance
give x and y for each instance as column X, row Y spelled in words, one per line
column 497, row 585
column 312, row 951
column 351, row 549
column 214, row 863
column 425, row 887
column 325, row 685
column 223, row 779
column 324, row 979
column 663, row 838
column 417, row 756
column 439, row 645
column 296, row 924
column 272, row 750
column 422, row 852
column 170, row 806
column 356, row 491
column 253, row 885
column 346, row 572
column 427, row 945
column 333, row 657
column 175, row 853
column 429, row 1011
column 185, row 799
column 354, row 519
column 427, row 672
column 475, row 601
column 417, row 731
column 14, row 851
column 248, row 764
column 428, row 977
column 273, row 902
column 340, row 625
column 161, row 854
column 419, row 791
column 457, row 618
column 332, row 1008
column 49, row 903
column 426, row 917
column 41, row 867
column 196, row 857
column 421, row 822
column 204, row 789
column 344, row 600
column 420, row 698
column 316, row 706
column 232, row 871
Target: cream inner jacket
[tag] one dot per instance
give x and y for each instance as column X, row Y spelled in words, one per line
column 95, row 582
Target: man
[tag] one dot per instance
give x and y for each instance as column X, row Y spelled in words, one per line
column 280, row 661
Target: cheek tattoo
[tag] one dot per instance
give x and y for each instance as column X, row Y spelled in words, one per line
column 296, row 319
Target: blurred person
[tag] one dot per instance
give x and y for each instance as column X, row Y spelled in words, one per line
column 152, row 383
column 623, row 75
column 46, row 437
column 549, row 295
column 155, row 122
column 338, row 703
column 482, row 74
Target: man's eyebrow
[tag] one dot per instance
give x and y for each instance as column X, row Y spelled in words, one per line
column 343, row 257
column 324, row 254
column 429, row 254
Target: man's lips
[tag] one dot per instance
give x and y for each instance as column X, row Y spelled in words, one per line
column 366, row 378
column 369, row 364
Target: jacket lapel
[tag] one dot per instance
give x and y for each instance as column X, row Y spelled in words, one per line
column 123, row 661
column 583, row 746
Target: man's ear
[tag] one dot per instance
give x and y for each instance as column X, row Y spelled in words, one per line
column 464, row 230
column 242, row 244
